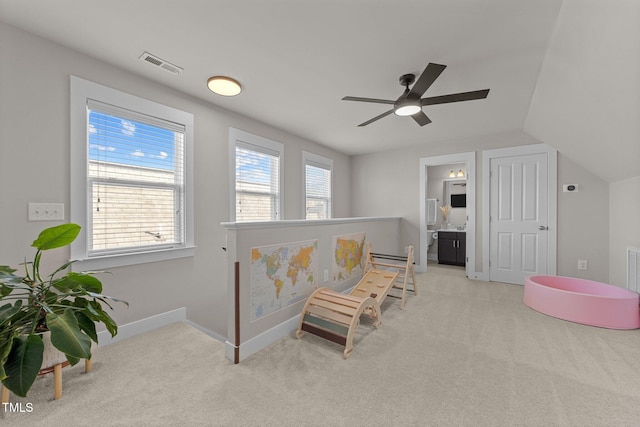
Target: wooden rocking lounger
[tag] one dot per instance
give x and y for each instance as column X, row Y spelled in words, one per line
column 335, row 316
column 403, row 264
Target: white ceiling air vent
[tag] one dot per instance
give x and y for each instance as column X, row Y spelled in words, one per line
column 158, row 62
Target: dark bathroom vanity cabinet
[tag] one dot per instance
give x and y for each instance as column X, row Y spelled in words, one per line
column 452, row 247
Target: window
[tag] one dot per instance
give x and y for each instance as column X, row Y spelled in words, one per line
column 318, row 188
column 131, row 177
column 256, row 194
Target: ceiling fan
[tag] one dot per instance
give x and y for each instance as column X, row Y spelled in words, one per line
column 410, row 102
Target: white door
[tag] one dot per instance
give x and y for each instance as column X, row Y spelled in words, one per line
column 519, row 215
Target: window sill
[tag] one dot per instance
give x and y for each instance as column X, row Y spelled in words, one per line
column 121, row 260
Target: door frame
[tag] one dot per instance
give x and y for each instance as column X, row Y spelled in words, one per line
column 552, row 189
column 469, row 160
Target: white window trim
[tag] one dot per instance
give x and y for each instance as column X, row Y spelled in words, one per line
column 81, row 91
column 248, row 139
column 320, row 162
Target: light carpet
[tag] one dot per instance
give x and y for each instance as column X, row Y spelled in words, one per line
column 462, row 353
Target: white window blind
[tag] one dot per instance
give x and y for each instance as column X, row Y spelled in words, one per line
column 257, row 183
column 135, row 179
column 317, row 189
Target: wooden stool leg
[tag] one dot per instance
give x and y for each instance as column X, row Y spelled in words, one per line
column 5, row 394
column 415, row 285
column 404, row 287
column 57, row 379
column 88, row 365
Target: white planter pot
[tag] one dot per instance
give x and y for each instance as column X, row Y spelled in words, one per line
column 51, row 355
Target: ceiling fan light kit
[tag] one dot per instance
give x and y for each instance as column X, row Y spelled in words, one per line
column 410, row 103
column 405, row 106
column 407, row 109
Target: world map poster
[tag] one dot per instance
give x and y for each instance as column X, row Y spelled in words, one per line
column 348, row 254
column 282, row 275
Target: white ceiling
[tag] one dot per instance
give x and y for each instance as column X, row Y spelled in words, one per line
column 296, row 59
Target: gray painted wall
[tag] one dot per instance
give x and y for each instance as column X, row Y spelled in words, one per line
column 394, row 176
column 34, row 167
column 624, row 226
column 583, row 222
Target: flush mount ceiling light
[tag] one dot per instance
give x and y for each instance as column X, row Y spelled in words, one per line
column 225, row 86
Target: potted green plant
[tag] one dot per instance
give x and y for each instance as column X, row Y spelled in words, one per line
column 65, row 303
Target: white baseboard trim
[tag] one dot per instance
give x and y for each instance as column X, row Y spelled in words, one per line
column 479, row 275
column 212, row 334
column 268, row 337
column 141, row 326
column 261, row 341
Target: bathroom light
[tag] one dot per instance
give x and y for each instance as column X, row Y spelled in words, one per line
column 460, row 174
column 225, row 86
column 452, row 174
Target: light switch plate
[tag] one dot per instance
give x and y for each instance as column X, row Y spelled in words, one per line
column 46, row 211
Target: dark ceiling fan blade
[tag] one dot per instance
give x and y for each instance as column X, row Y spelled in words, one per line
column 386, row 113
column 455, row 97
column 426, row 79
column 375, row 100
column 421, row 118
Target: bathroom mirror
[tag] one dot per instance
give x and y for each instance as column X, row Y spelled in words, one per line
column 455, row 192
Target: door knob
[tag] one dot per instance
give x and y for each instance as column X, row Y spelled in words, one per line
column 542, row 227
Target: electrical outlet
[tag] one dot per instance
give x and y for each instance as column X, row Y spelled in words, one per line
column 326, row 275
column 46, row 211
column 582, row 264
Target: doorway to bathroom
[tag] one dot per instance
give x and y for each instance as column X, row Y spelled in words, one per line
column 456, row 164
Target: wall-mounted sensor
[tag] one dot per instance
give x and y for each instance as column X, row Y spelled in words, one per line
column 570, row 188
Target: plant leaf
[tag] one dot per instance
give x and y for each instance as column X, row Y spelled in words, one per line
column 66, row 335
column 104, row 299
column 61, row 268
column 56, row 237
column 87, row 325
column 72, row 360
column 8, row 280
column 76, row 281
column 6, row 269
column 6, row 341
column 96, row 309
column 5, row 290
column 7, row 311
column 23, row 364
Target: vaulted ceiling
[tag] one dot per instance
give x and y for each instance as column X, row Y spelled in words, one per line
column 550, row 68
